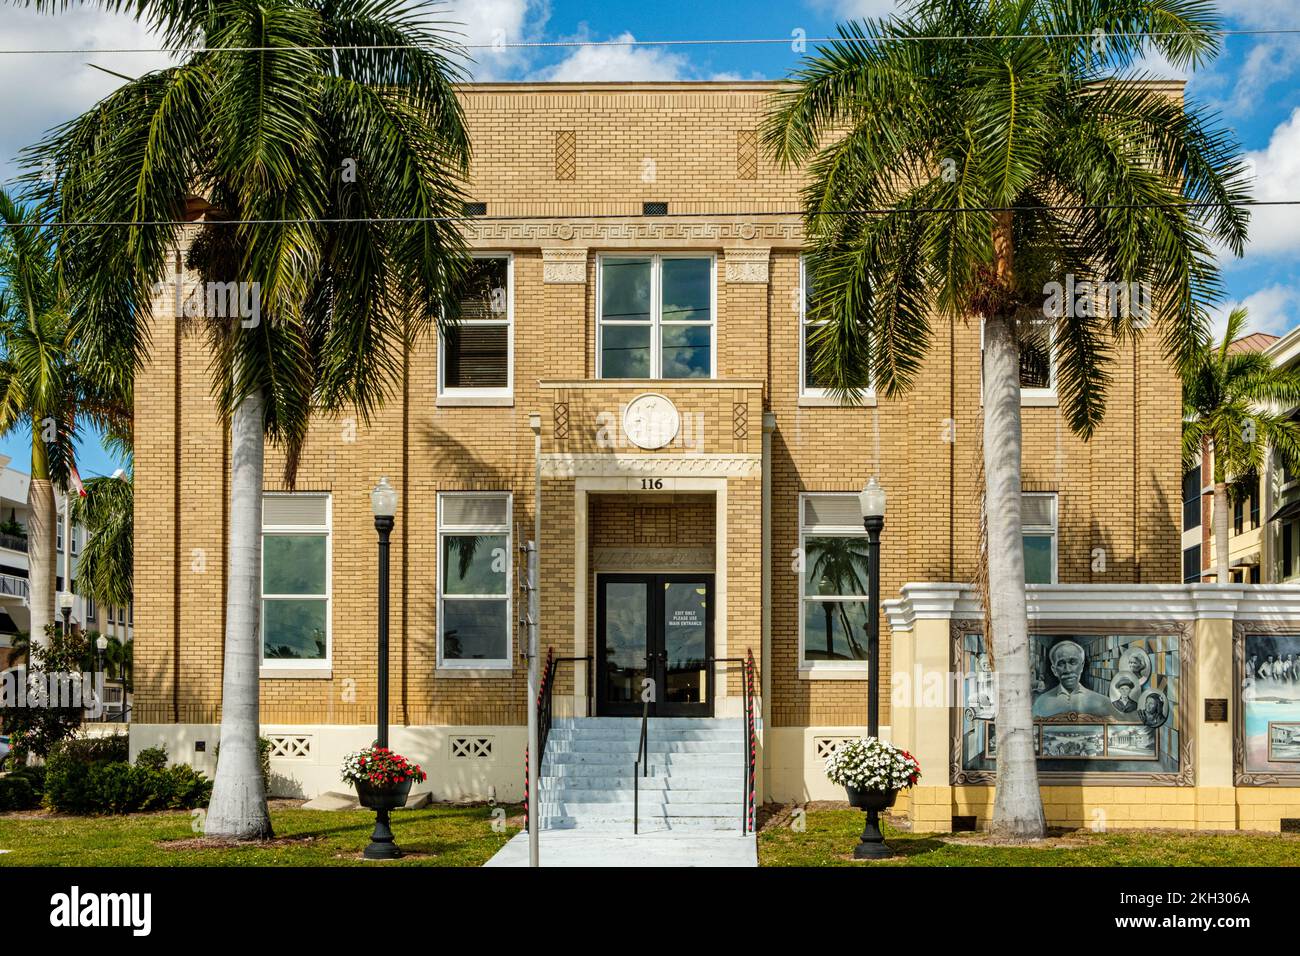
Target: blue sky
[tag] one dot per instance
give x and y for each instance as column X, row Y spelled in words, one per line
column 1253, row 85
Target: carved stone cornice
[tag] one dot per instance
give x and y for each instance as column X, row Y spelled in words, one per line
column 661, row 466
column 564, row 266
column 747, row 265
column 644, row 559
column 630, row 232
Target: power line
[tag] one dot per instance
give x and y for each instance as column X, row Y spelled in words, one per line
column 739, row 214
column 632, row 42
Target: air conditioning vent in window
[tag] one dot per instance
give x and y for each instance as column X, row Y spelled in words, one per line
column 474, row 209
column 654, row 209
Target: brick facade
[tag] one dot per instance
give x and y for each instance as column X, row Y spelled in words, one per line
column 601, row 151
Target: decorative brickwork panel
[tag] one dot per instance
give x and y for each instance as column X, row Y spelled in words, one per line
column 471, row 748
column 746, row 154
column 566, row 154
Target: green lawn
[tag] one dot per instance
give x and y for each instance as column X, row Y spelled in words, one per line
column 830, row 835
column 444, row 835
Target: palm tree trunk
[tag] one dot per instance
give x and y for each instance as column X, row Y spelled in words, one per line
column 1221, row 531
column 1017, row 804
column 42, row 518
column 238, row 806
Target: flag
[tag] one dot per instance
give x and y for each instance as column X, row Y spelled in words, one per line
column 76, row 482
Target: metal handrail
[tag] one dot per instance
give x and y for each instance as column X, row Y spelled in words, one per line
column 642, row 760
column 545, row 710
column 749, row 754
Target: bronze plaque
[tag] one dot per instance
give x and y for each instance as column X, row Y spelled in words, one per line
column 1216, row 710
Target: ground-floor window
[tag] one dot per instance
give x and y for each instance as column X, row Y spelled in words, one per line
column 832, row 565
column 295, row 580
column 474, row 579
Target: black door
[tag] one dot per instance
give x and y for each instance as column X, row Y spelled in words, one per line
column 654, row 639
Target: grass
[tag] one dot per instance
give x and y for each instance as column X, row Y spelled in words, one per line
column 440, row 835
column 463, row 835
column 829, row 836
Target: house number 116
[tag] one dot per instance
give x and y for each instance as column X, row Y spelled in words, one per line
column 652, row 484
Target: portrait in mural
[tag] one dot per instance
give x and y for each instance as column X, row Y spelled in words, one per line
column 1270, row 701
column 1102, row 703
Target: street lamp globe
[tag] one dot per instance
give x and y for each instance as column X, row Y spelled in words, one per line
column 871, row 500
column 383, row 500
column 102, row 643
column 66, row 600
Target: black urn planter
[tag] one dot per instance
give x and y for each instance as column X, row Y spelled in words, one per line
column 388, row 796
column 872, row 845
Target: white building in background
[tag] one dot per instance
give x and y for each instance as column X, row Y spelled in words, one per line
column 15, row 617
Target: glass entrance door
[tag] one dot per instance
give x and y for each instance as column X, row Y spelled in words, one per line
column 654, row 639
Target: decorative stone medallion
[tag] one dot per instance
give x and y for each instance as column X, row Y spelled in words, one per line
column 651, row 421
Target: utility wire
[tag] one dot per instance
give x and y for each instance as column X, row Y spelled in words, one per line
column 632, row 42
column 742, row 214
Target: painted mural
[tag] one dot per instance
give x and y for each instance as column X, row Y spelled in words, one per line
column 1102, row 703
column 1270, row 700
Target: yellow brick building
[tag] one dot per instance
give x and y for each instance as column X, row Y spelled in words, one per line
column 659, row 354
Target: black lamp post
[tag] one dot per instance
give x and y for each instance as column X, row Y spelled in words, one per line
column 871, row 502
column 383, row 503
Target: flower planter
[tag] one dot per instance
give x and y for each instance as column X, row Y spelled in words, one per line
column 877, row 800
column 389, row 796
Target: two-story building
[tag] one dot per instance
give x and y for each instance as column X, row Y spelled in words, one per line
column 636, row 334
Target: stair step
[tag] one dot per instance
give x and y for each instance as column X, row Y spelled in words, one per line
column 634, row 735
column 605, row 745
column 622, row 810
column 673, row 798
column 597, row 781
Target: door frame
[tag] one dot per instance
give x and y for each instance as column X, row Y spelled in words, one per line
column 655, row 643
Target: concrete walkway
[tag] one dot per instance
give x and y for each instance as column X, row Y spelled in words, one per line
column 594, row 848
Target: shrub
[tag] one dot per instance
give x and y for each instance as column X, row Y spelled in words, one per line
column 17, row 793
column 152, row 758
column 87, row 750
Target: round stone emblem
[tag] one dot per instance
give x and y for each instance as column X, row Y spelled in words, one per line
column 651, row 421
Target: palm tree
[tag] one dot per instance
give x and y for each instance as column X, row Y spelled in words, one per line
column 1002, row 163
column 46, row 385
column 1236, row 405
column 332, row 179
column 105, row 568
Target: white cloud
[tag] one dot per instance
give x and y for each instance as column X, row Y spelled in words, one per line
column 44, row 90
column 855, row 9
column 1276, row 229
column 491, row 24
column 595, row 63
column 1274, row 309
column 1257, row 13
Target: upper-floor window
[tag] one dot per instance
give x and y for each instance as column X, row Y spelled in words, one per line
column 833, row 585
column 474, row 579
column 1038, row 524
column 1192, row 498
column 1037, row 359
column 810, row 384
column 656, row 317
column 295, row 580
column 475, row 359
column 1192, row 564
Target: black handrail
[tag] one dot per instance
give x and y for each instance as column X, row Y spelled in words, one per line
column 545, row 711
column 642, row 760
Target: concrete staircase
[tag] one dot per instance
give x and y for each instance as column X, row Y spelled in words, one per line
column 695, row 779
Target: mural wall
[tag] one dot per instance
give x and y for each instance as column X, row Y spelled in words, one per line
column 1268, row 724
column 1103, row 704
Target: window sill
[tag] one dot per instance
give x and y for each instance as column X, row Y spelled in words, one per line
column 296, row 673
column 823, row 672
column 472, row 673
column 830, row 401
column 475, row 401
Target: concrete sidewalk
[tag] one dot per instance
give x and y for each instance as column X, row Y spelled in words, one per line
column 594, row 848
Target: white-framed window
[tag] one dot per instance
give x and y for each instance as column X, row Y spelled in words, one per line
column 476, row 356
column 474, row 579
column 1037, row 359
column 656, row 316
column 833, row 567
column 1038, row 521
column 296, row 580
column 91, row 612
column 808, row 384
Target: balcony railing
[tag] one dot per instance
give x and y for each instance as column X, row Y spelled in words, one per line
column 13, row 542
column 12, row 585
